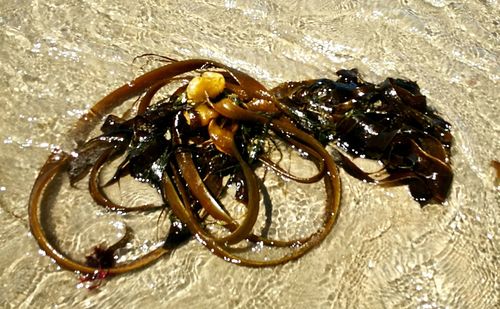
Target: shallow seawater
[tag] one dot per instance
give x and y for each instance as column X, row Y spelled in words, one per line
column 58, row 57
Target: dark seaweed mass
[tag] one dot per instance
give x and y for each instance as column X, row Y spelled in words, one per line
column 217, row 126
column 390, row 122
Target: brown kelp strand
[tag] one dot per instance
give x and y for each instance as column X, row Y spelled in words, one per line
column 215, row 128
column 496, row 165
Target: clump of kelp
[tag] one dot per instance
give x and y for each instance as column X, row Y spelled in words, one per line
column 214, row 129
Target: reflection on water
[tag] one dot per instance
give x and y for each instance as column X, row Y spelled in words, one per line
column 58, row 57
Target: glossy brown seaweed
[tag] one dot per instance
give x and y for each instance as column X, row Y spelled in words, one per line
column 215, row 129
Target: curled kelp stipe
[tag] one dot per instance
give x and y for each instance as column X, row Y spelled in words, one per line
column 215, row 128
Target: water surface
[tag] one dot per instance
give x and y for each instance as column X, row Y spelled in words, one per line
column 58, row 57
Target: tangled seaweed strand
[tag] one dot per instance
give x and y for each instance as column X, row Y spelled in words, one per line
column 206, row 131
